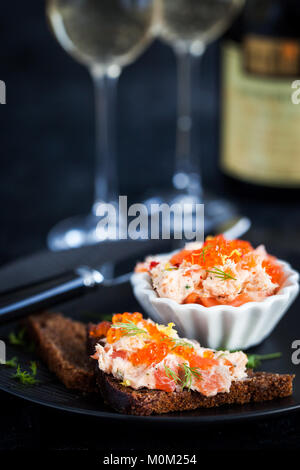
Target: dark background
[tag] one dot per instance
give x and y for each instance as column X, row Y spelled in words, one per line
column 46, row 174
column 47, row 127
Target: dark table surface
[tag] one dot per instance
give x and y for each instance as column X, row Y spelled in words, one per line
column 25, row 425
column 46, row 174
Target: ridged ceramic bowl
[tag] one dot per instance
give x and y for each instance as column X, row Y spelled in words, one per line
column 221, row 326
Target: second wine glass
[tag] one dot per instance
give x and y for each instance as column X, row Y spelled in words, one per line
column 189, row 26
column 104, row 35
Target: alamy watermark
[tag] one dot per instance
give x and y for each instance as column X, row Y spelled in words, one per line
column 2, row 352
column 155, row 221
column 2, row 92
column 296, row 353
column 295, row 97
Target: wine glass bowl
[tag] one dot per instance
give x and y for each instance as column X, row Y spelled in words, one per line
column 192, row 24
column 189, row 26
column 103, row 35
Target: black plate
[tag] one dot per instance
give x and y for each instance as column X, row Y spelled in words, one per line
column 50, row 392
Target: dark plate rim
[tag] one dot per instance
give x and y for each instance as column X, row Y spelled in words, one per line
column 239, row 416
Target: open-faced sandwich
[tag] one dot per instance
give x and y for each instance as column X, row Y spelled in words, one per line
column 143, row 368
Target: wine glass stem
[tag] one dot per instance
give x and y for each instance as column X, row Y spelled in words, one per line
column 186, row 171
column 106, row 180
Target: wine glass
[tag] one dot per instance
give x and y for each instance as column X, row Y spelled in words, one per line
column 189, row 26
column 104, row 35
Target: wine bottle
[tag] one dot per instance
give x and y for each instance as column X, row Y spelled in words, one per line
column 260, row 141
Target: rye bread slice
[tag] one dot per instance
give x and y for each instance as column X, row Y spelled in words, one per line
column 258, row 387
column 61, row 343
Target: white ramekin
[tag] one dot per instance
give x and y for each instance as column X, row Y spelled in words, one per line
column 221, row 326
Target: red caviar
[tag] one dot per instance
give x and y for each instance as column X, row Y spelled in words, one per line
column 273, row 269
column 100, row 330
column 194, row 359
column 153, row 331
column 152, row 353
column 114, row 334
column 125, row 317
column 214, row 252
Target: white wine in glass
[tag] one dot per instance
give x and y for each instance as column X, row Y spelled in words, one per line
column 189, row 26
column 196, row 22
column 103, row 35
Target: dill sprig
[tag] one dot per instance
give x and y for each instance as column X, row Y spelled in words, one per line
column 18, row 339
column 221, row 274
column 130, row 328
column 195, row 257
column 189, row 373
column 254, row 360
column 177, row 342
column 25, row 377
column 33, row 367
column 13, row 362
column 180, row 342
column 203, row 252
column 172, row 375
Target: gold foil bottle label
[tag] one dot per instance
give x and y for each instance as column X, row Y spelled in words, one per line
column 260, row 124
